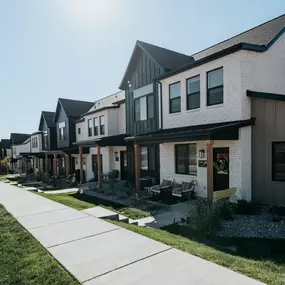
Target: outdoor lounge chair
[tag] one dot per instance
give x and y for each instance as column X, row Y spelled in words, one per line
column 185, row 190
column 162, row 188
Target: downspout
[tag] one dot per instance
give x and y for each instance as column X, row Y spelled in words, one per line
column 160, row 101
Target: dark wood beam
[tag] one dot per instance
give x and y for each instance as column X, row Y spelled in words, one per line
column 99, row 163
column 81, row 163
column 210, row 171
column 137, row 167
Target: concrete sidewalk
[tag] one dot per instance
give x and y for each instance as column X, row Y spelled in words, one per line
column 99, row 253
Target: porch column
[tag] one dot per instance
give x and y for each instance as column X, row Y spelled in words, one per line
column 137, row 167
column 81, row 163
column 67, row 164
column 55, row 164
column 99, row 166
column 46, row 163
column 210, row 175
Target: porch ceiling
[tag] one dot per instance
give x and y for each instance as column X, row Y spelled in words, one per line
column 118, row 140
column 217, row 131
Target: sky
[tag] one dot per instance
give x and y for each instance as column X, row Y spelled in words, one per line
column 79, row 49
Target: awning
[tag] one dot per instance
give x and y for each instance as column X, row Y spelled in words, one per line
column 217, row 131
column 118, row 140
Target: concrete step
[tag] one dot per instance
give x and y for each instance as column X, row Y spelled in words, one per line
column 123, row 219
column 133, row 222
column 100, row 212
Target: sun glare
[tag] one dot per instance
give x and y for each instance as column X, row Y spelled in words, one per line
column 90, row 12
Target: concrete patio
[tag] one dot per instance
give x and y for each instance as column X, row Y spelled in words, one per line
column 99, row 253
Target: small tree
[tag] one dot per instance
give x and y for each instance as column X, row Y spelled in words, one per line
column 4, row 163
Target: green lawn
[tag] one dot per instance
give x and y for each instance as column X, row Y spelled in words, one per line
column 3, row 177
column 266, row 271
column 81, row 202
column 23, row 261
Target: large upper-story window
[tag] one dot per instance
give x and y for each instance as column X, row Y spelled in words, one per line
column 45, row 138
column 62, row 131
column 215, row 87
column 174, row 98
column 186, row 159
column 144, row 107
column 278, row 161
column 96, row 126
column 102, row 125
column 90, row 128
column 34, row 142
column 193, row 93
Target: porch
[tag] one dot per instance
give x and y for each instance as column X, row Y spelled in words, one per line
column 216, row 156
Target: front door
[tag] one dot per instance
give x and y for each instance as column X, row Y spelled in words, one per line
column 221, row 168
column 124, row 164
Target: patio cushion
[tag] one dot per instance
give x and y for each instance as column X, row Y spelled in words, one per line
column 186, row 186
column 165, row 183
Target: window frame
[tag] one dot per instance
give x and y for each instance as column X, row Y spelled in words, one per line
column 147, row 116
column 96, row 128
column 171, row 99
column 89, row 128
column 194, row 93
column 273, row 176
column 187, row 165
column 102, row 127
column 214, row 88
column 62, row 137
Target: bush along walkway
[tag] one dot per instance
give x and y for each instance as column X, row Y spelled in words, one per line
column 23, row 260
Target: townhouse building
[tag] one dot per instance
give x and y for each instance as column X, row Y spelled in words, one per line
column 222, row 117
column 102, row 131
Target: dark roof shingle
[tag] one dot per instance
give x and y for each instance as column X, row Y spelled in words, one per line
column 5, row 143
column 75, row 108
column 48, row 116
column 261, row 35
column 18, row 138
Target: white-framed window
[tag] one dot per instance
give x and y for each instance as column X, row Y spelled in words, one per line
column 62, row 131
column 96, row 126
column 144, row 107
column 90, row 128
column 193, row 92
column 215, row 87
column 102, row 125
column 175, row 97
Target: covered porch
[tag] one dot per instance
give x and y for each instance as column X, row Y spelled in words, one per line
column 106, row 155
column 216, row 156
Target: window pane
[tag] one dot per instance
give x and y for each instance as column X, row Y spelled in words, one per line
column 193, row 101
column 102, row 125
column 89, row 123
column 193, row 159
column 151, row 158
column 102, row 120
column 193, row 85
column 61, row 125
column 137, row 110
column 150, row 106
column 143, row 108
column 279, row 161
column 181, row 159
column 96, row 126
column 215, row 78
column 215, row 96
column 175, row 105
column 144, row 160
column 174, row 90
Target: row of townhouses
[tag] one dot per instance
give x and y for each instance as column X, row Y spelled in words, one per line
column 216, row 117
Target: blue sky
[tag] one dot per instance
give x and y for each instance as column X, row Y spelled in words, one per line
column 79, row 49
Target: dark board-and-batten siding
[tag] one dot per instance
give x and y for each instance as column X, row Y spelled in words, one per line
column 269, row 127
column 143, row 75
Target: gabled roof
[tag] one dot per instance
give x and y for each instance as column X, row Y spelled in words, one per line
column 5, row 143
column 73, row 108
column 48, row 116
column 18, row 138
column 166, row 59
column 258, row 39
column 261, row 35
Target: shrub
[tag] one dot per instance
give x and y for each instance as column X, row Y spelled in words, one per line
column 245, row 208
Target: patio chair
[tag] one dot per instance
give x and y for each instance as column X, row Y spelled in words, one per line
column 162, row 189
column 185, row 190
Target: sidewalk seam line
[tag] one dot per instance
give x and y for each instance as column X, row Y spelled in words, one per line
column 56, row 223
column 128, row 264
column 52, row 246
column 39, row 213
